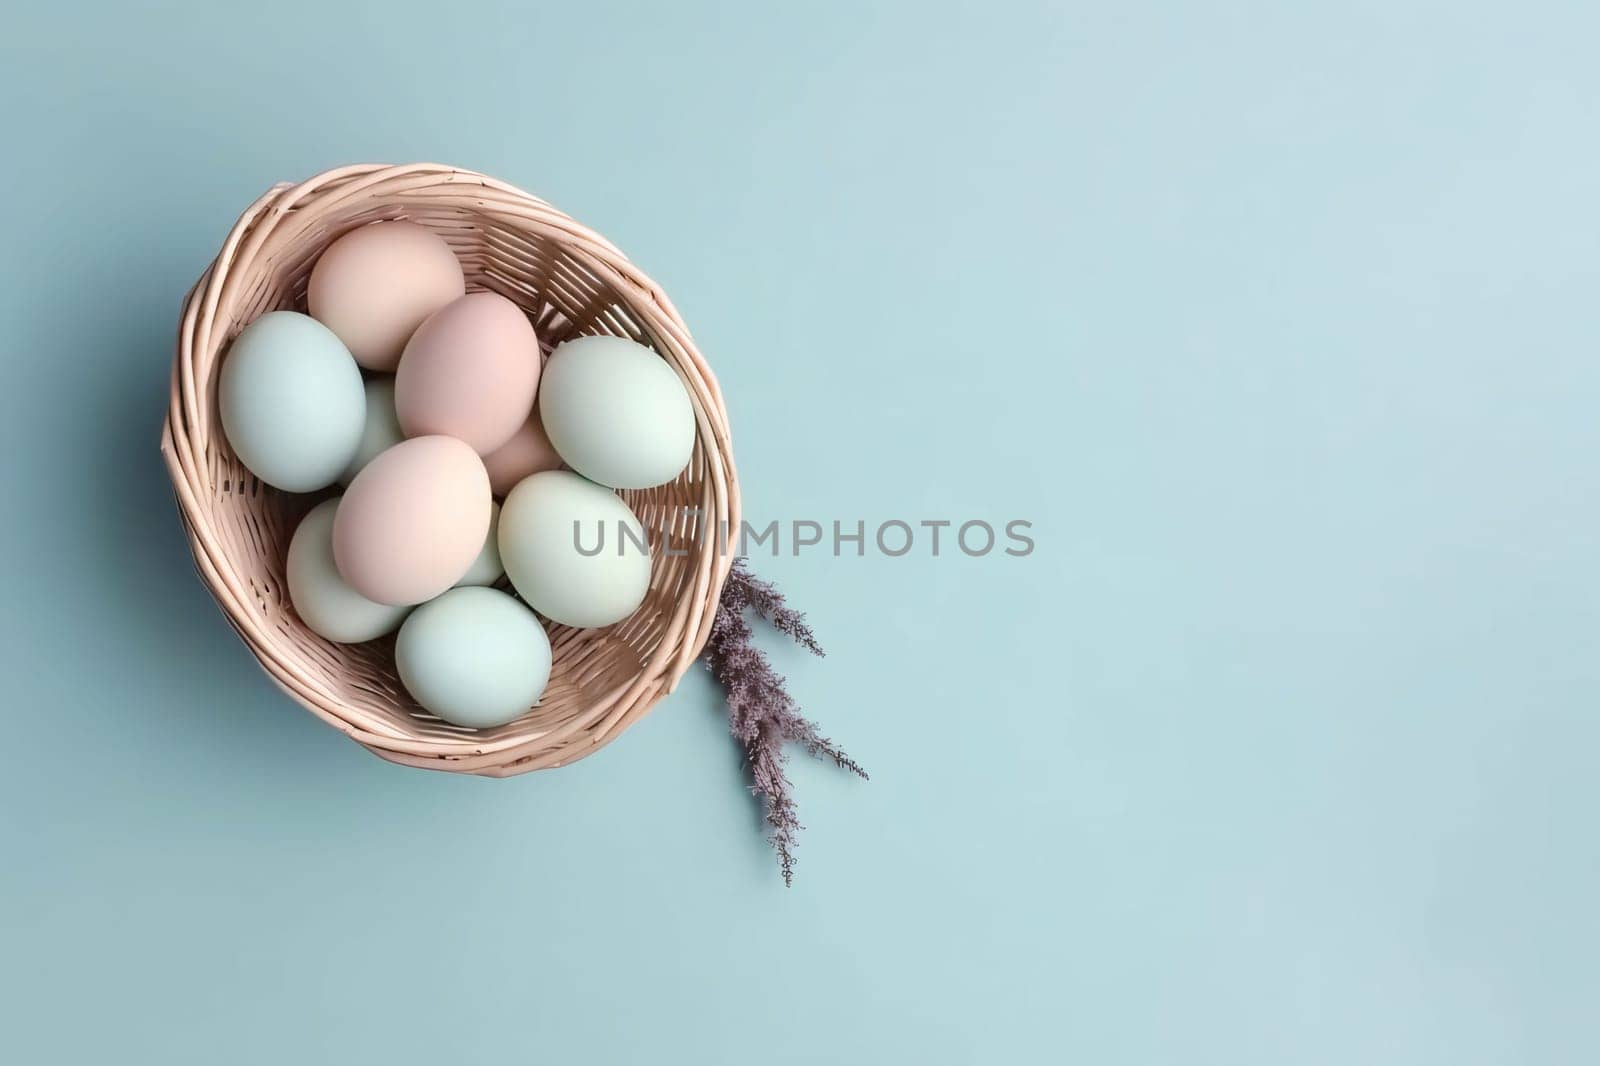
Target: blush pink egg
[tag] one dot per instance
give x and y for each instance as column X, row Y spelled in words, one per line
column 469, row 372
column 375, row 285
column 413, row 521
column 529, row 451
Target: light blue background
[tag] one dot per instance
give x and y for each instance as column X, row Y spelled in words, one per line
column 1278, row 321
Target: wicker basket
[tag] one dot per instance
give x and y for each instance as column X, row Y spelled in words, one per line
column 571, row 282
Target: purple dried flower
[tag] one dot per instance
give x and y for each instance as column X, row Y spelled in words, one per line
column 761, row 713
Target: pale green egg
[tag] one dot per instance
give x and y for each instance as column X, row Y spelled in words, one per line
column 486, row 568
column 474, row 656
column 616, row 412
column 321, row 597
column 573, row 549
column 381, row 429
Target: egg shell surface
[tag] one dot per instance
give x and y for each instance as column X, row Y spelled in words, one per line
column 486, row 568
column 469, row 372
column 616, row 412
column 475, row 657
column 323, row 599
column 413, row 521
column 376, row 284
column 543, row 523
column 381, row 430
column 527, row 452
column 291, row 401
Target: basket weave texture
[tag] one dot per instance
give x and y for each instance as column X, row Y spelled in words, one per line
column 571, row 282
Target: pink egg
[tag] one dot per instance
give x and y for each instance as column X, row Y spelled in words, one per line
column 413, row 521
column 469, row 372
column 375, row 285
column 527, row 452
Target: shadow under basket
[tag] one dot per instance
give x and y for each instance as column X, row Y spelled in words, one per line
column 571, row 282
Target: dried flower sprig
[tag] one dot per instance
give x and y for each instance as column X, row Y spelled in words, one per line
column 761, row 713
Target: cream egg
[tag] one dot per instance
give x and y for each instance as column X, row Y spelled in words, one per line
column 381, row 430
column 573, row 549
column 413, row 521
column 375, row 285
column 469, row 372
column 616, row 412
column 291, row 402
column 527, row 452
column 322, row 599
column 475, row 657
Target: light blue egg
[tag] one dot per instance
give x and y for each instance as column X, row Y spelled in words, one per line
column 291, row 401
column 474, row 656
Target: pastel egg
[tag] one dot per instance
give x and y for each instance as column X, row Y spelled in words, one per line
column 475, row 657
column 573, row 549
column 616, row 412
column 527, row 452
column 469, row 372
column 486, row 568
column 375, row 285
column 291, row 401
column 381, row 430
column 322, row 599
column 413, row 521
